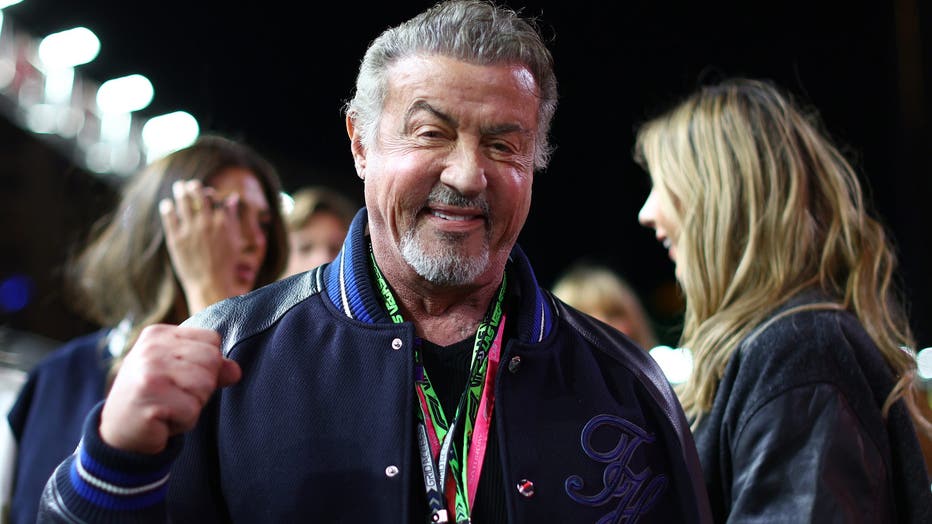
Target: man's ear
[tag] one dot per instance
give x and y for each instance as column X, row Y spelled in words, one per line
column 356, row 147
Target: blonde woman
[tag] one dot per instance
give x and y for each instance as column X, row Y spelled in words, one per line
column 800, row 396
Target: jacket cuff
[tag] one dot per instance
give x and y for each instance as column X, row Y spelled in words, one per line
column 99, row 479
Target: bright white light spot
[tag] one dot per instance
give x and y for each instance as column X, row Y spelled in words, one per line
column 115, row 127
column 924, row 362
column 287, row 203
column 58, row 84
column 125, row 94
column 69, row 48
column 7, row 3
column 41, row 119
column 166, row 133
column 676, row 363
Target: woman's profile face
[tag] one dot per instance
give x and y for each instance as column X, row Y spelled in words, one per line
column 652, row 215
column 656, row 214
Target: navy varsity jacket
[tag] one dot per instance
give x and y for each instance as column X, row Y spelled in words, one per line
column 321, row 427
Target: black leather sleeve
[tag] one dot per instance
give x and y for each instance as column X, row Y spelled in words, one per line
column 804, row 457
column 51, row 507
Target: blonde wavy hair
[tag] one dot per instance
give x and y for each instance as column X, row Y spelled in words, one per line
column 766, row 207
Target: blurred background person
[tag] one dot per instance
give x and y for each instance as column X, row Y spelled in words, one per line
column 192, row 228
column 318, row 219
column 603, row 293
column 801, row 393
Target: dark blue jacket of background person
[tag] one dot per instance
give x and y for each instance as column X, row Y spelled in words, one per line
column 48, row 415
column 322, row 424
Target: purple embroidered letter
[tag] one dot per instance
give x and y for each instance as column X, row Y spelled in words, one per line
column 636, row 491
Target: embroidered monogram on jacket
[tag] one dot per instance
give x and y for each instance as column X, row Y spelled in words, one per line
column 636, row 491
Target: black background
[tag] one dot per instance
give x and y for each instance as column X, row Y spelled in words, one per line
column 277, row 73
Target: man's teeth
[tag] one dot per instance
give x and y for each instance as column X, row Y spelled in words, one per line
column 449, row 217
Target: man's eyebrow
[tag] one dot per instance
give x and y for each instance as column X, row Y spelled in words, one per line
column 423, row 105
column 494, row 130
column 504, row 129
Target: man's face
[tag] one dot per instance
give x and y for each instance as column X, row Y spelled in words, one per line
column 448, row 179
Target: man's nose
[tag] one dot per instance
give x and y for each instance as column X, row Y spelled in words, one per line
column 466, row 170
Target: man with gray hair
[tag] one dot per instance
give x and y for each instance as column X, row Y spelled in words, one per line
column 423, row 375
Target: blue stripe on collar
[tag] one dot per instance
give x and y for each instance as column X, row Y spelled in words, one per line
column 349, row 284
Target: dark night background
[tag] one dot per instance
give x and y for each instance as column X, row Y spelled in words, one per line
column 276, row 74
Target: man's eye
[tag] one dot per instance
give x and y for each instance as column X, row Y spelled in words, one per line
column 433, row 133
column 503, row 147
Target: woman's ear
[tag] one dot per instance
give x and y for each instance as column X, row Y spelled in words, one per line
column 356, row 147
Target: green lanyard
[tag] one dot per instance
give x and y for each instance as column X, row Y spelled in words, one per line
column 435, row 435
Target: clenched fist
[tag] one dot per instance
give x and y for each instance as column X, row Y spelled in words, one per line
column 162, row 386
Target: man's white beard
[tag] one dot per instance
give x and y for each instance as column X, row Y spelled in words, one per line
column 444, row 265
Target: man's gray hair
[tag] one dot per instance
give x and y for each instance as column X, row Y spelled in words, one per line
column 473, row 31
